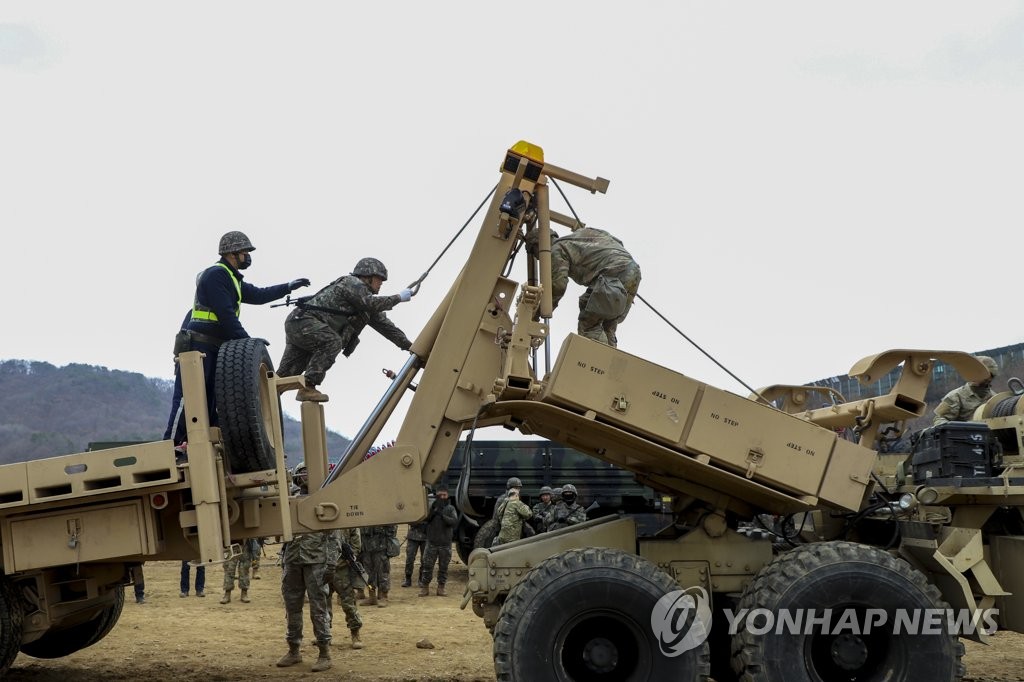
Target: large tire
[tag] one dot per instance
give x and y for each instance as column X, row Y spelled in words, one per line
column 585, row 616
column 465, row 538
column 244, row 405
column 842, row 576
column 486, row 533
column 12, row 618
column 62, row 642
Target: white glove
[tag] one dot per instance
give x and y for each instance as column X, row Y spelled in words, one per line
column 405, row 295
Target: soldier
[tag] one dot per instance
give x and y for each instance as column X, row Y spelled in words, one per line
column 220, row 293
column 331, row 320
column 307, row 566
column 256, row 559
column 513, row 512
column 348, row 576
column 239, row 566
column 186, row 571
column 568, row 512
column 542, row 510
column 378, row 542
column 441, row 521
column 597, row 260
column 512, row 482
column 959, row 404
column 415, row 542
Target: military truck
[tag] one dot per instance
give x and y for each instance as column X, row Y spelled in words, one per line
column 479, row 471
column 594, row 601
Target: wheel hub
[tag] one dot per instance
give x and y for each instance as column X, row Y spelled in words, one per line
column 849, row 652
column 600, row 655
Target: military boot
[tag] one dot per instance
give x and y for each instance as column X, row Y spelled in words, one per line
column 323, row 662
column 226, row 598
column 370, row 600
column 441, row 592
column 255, row 574
column 407, row 582
column 245, row 596
column 311, row 394
column 292, row 657
column 356, row 642
column 424, row 591
column 382, row 599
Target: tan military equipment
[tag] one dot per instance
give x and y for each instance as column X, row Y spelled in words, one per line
column 871, row 535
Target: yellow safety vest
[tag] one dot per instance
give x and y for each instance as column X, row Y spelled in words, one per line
column 201, row 312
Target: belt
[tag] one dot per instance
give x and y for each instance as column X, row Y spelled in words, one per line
column 199, row 337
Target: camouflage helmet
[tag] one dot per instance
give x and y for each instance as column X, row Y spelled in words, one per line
column 546, row 490
column 568, row 492
column 233, row 242
column 513, row 482
column 557, row 492
column 991, row 365
column 370, row 267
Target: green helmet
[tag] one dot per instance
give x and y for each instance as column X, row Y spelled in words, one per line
column 557, row 492
column 568, row 493
column 991, row 365
column 546, row 490
column 233, row 242
column 513, row 482
column 370, row 267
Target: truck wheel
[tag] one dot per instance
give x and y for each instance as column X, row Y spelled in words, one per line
column 12, row 617
column 847, row 578
column 62, row 642
column 244, row 405
column 486, row 533
column 465, row 536
column 585, row 615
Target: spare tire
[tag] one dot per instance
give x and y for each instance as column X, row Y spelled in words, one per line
column 244, row 405
column 12, row 618
column 62, row 642
column 485, row 535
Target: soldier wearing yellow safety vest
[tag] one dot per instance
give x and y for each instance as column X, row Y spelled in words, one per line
column 220, row 293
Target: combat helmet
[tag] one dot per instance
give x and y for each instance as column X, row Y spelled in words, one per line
column 546, row 490
column 233, row 242
column 991, row 365
column 301, row 476
column 513, row 482
column 370, row 267
column 568, row 493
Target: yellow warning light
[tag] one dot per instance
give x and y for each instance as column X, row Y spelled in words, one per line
column 529, row 150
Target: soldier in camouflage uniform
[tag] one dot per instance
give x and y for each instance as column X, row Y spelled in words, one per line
column 512, row 482
column 331, row 320
column 240, row 566
column 542, row 510
column 307, row 566
column 512, row 513
column 441, row 521
column 598, row 261
column 959, row 404
column 376, row 541
column 347, row 578
column 568, row 512
column 415, row 542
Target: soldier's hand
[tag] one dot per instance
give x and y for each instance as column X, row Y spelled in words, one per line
column 405, row 295
column 298, row 283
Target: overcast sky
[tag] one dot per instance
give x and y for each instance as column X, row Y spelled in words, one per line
column 803, row 184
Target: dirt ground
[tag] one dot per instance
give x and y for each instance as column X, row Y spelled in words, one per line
column 170, row 639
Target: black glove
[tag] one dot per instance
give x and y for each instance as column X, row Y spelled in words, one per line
column 298, row 283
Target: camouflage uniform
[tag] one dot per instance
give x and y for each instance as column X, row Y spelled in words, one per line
column 567, row 515
column 542, row 515
column 959, row 404
column 314, row 338
column 375, row 555
column 441, row 521
column 415, row 542
column 584, row 256
column 307, row 563
column 512, row 514
column 346, row 579
column 240, row 566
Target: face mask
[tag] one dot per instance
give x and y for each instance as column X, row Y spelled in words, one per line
column 245, row 261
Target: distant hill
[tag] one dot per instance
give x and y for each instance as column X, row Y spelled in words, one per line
column 47, row 410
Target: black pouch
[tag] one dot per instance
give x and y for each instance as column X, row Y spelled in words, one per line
column 182, row 342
